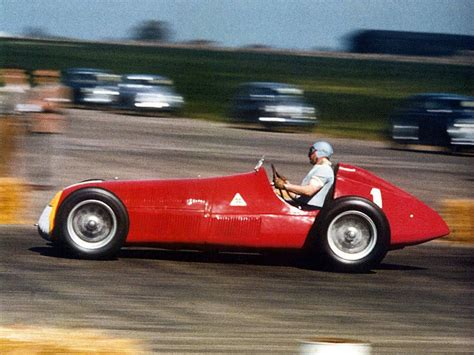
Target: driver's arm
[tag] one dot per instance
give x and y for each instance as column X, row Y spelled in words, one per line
column 309, row 190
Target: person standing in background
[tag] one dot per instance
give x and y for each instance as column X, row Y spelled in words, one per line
column 13, row 94
column 46, row 120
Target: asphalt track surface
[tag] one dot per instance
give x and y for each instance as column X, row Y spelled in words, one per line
column 420, row 300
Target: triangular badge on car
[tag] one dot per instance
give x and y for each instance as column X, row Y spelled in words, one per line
column 238, row 201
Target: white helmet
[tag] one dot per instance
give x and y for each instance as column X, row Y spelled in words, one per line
column 322, row 149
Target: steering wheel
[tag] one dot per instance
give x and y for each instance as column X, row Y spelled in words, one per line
column 277, row 175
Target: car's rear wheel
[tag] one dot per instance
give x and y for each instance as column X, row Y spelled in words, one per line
column 93, row 224
column 353, row 236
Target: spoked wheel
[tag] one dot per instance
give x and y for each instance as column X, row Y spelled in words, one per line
column 354, row 235
column 92, row 224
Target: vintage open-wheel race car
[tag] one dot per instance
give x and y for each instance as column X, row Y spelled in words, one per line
column 362, row 218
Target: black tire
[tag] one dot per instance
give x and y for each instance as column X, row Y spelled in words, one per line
column 353, row 235
column 92, row 224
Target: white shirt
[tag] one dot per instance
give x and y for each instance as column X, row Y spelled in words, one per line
column 324, row 175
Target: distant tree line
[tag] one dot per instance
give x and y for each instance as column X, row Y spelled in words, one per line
column 364, row 41
column 152, row 31
column 148, row 31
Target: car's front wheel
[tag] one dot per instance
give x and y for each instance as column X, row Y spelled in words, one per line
column 93, row 224
column 353, row 236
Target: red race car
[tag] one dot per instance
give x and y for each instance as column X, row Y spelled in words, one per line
column 363, row 217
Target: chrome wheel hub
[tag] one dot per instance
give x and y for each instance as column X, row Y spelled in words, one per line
column 352, row 235
column 92, row 224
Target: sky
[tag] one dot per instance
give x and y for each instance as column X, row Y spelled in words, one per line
column 287, row 24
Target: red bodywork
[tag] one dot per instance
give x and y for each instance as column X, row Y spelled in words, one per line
column 243, row 211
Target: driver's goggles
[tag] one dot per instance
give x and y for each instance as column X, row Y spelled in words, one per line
column 311, row 151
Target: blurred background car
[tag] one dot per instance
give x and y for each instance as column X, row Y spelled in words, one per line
column 91, row 86
column 435, row 119
column 142, row 92
column 272, row 104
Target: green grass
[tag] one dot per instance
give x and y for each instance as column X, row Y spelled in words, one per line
column 354, row 97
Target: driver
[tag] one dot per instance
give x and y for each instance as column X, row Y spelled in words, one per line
column 317, row 182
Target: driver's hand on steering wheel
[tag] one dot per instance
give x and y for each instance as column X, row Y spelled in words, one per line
column 279, row 183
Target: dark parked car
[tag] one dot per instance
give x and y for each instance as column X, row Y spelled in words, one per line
column 272, row 104
column 149, row 93
column 435, row 119
column 91, row 86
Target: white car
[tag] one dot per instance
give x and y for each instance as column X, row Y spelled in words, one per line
column 148, row 93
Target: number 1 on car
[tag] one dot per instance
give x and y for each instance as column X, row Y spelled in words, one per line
column 376, row 196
